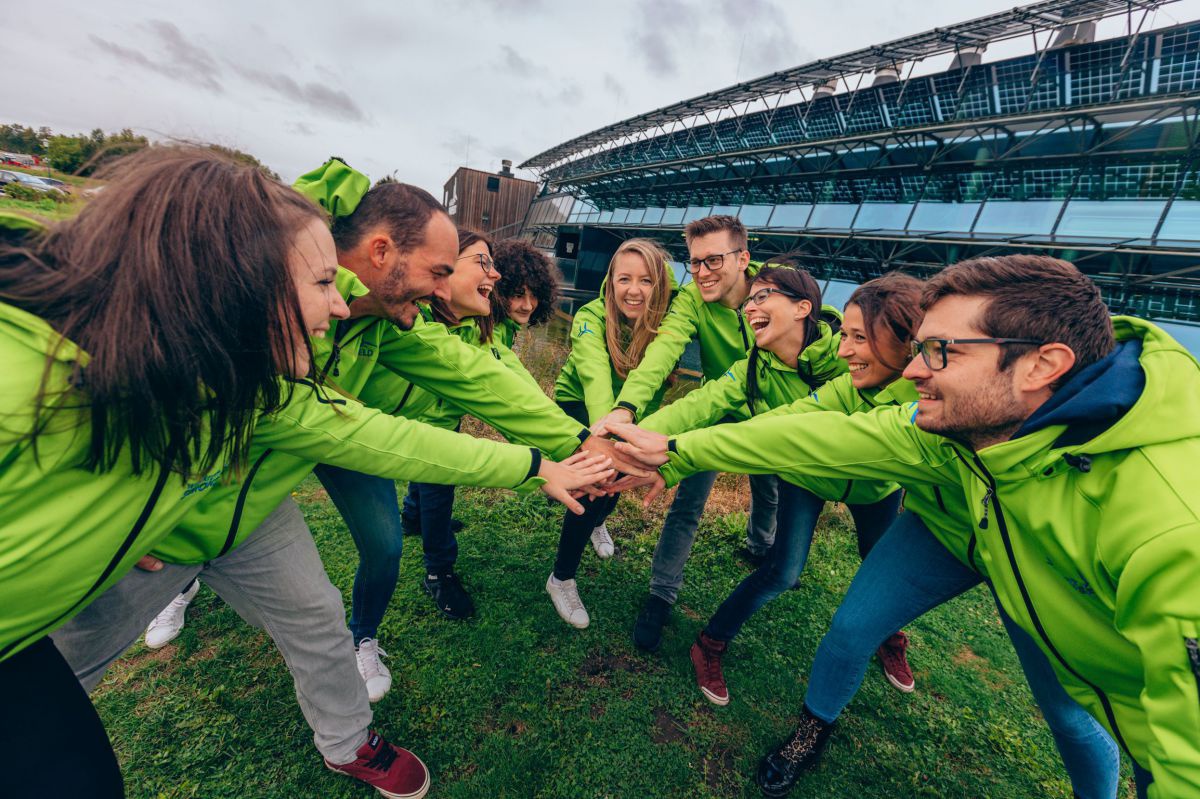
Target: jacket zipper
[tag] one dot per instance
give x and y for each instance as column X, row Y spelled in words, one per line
column 236, row 522
column 1193, row 650
column 1028, row 600
column 742, row 330
column 134, row 532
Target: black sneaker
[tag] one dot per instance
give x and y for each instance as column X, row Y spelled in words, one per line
column 755, row 559
column 647, row 631
column 449, row 595
column 779, row 770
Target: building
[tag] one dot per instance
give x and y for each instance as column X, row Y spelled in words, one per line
column 1084, row 149
column 492, row 203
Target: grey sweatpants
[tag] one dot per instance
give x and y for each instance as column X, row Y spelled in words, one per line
column 275, row 581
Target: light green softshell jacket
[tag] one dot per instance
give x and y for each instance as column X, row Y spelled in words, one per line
column 724, row 340
column 352, row 352
column 819, row 371
column 1100, row 564
column 525, row 405
column 588, row 375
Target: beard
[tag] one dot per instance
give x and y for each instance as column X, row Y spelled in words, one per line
column 988, row 413
column 397, row 298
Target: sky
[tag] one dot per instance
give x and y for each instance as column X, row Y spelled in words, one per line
column 419, row 89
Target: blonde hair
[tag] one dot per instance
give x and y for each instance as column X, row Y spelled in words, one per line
column 627, row 343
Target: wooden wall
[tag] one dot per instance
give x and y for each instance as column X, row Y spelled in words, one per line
column 480, row 209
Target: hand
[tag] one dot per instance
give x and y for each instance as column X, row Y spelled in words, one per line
column 655, row 481
column 645, row 446
column 617, row 416
column 623, row 463
column 149, row 563
column 577, row 471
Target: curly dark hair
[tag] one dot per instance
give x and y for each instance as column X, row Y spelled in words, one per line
column 522, row 266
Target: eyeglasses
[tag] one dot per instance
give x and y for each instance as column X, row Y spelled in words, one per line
column 713, row 262
column 934, row 350
column 760, row 296
column 485, row 262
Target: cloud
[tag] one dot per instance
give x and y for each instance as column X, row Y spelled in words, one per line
column 516, row 64
column 301, row 128
column 613, row 86
column 180, row 61
column 318, row 97
column 768, row 47
column 660, row 26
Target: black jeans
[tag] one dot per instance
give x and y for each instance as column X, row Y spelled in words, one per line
column 52, row 743
column 576, row 530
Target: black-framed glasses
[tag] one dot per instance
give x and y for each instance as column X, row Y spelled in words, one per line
column 485, row 261
column 713, row 262
column 760, row 296
column 934, row 350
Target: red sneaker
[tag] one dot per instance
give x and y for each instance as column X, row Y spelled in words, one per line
column 895, row 662
column 394, row 772
column 706, row 660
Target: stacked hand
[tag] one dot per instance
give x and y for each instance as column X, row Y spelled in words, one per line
column 582, row 471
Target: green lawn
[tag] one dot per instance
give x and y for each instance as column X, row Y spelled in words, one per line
column 516, row 704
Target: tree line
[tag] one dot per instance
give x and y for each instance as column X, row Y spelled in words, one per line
column 82, row 154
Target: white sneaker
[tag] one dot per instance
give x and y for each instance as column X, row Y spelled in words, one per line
column 567, row 602
column 169, row 623
column 370, row 666
column 602, row 542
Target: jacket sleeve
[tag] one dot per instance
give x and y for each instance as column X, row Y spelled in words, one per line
column 473, row 379
column 704, row 406
column 593, row 366
column 342, row 432
column 883, row 444
column 678, row 327
column 1158, row 610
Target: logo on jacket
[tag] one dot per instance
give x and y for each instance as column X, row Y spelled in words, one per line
column 583, row 328
column 205, row 484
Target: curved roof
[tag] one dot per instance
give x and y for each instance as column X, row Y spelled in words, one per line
column 1047, row 14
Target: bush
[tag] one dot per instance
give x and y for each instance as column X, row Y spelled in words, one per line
column 19, row 192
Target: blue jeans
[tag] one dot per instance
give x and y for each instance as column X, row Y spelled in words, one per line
column 908, row 573
column 679, row 530
column 433, row 506
column 799, row 510
column 372, row 512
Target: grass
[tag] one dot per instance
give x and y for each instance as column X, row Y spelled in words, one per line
column 515, row 704
column 47, row 210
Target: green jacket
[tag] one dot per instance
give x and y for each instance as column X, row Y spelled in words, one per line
column 352, row 351
column 588, row 375
column 1103, row 572
column 506, row 332
column 724, row 340
column 942, row 508
column 784, row 389
column 66, row 533
column 419, row 404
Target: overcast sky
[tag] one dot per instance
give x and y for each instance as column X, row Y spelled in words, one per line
column 420, row 89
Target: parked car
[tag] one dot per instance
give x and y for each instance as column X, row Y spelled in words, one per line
column 30, row 181
column 56, row 184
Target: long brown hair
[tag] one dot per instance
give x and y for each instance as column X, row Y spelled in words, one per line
column 798, row 284
column 627, row 343
column 175, row 281
column 441, row 309
column 891, row 309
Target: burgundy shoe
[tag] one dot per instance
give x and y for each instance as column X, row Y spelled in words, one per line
column 706, row 660
column 895, row 662
column 394, row 772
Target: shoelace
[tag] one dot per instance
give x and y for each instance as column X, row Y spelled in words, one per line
column 172, row 612
column 383, row 758
column 571, row 595
column 712, row 666
column 802, row 741
column 369, row 660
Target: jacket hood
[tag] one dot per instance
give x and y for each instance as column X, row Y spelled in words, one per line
column 335, row 186
column 820, row 358
column 17, row 226
column 26, row 330
column 1146, row 392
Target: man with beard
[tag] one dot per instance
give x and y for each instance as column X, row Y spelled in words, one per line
column 1073, row 436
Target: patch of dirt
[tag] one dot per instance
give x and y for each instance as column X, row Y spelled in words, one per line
column 667, row 728
column 967, row 658
column 597, row 667
column 596, row 712
column 516, row 728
